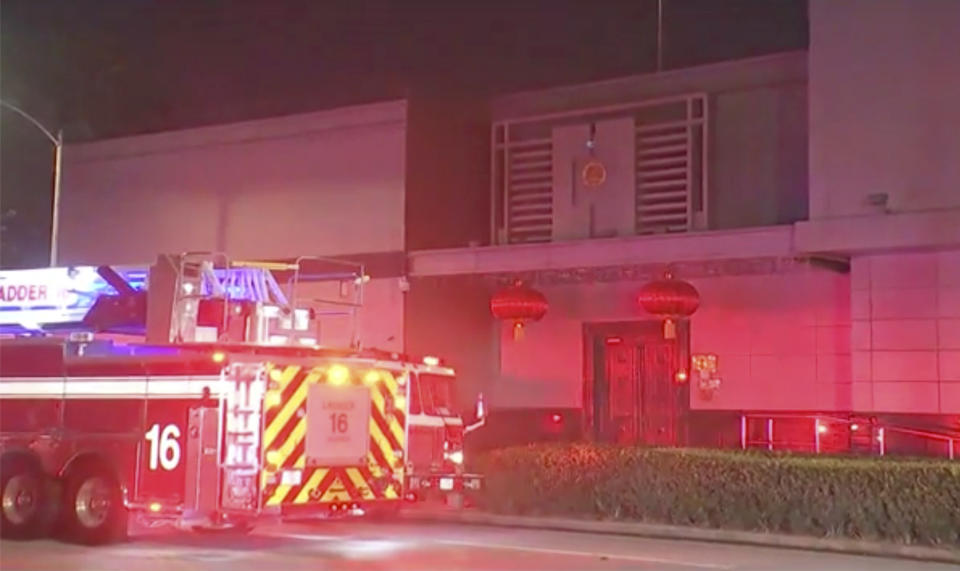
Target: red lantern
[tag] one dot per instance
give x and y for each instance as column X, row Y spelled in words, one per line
column 519, row 304
column 671, row 299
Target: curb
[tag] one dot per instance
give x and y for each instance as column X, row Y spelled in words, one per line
column 835, row 545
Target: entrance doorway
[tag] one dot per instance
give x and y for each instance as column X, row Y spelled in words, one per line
column 631, row 391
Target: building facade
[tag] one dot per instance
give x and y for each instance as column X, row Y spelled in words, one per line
column 811, row 198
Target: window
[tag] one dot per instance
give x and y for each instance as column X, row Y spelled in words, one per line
column 416, row 406
column 436, row 392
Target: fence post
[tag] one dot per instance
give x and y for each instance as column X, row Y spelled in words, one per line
column 743, row 432
column 816, row 435
column 770, row 434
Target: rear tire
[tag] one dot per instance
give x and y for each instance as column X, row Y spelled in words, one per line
column 93, row 511
column 25, row 499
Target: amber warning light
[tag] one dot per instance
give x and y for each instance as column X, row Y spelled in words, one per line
column 338, row 375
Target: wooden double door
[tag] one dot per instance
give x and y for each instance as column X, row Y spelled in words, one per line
column 636, row 396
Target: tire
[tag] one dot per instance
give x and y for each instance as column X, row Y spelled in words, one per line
column 92, row 509
column 25, row 499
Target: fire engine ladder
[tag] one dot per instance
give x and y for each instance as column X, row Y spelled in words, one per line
column 195, row 279
column 253, row 283
column 244, row 385
column 204, row 275
column 282, row 316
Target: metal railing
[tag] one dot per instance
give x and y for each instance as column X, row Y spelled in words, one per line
column 878, row 433
column 950, row 440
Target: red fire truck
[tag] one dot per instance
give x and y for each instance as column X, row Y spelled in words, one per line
column 226, row 412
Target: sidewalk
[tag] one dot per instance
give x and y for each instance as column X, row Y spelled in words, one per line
column 837, row 545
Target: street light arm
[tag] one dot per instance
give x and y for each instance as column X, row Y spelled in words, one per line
column 57, row 167
column 56, row 140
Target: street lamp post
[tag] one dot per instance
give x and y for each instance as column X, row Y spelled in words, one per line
column 659, row 35
column 57, row 141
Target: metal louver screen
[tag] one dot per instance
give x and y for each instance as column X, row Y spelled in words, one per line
column 523, row 187
column 663, row 185
column 670, row 163
column 530, row 211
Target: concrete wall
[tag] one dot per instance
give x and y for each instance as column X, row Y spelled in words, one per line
column 758, row 156
column 319, row 184
column 782, row 342
column 448, row 173
column 449, row 317
column 884, row 86
column 906, row 332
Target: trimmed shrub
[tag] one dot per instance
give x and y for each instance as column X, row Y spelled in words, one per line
column 907, row 501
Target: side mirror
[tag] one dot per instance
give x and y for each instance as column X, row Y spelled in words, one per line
column 480, row 415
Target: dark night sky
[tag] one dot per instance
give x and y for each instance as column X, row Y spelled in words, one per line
column 101, row 68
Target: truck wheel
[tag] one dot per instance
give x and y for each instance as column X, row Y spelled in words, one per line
column 25, row 499
column 93, row 511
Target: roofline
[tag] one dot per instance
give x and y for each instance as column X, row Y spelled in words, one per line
column 659, row 75
column 500, row 106
column 393, row 111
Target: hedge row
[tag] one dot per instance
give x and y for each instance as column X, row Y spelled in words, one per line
column 908, row 501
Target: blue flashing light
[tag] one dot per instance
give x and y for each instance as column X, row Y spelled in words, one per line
column 33, row 300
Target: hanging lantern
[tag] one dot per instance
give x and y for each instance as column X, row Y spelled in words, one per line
column 519, row 304
column 670, row 299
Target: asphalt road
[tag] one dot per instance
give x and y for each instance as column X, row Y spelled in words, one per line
column 320, row 546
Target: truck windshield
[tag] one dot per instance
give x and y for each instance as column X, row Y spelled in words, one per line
column 436, row 394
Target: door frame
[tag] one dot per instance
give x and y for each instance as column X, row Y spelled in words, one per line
column 595, row 332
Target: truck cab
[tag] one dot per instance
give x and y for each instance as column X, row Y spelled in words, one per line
column 437, row 432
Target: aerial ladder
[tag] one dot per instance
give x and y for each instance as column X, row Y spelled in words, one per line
column 201, row 297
